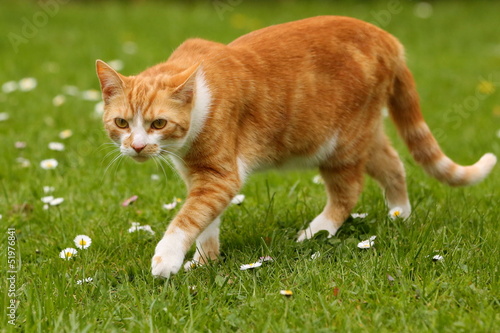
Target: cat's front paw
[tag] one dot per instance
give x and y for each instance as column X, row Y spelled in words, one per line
column 167, row 259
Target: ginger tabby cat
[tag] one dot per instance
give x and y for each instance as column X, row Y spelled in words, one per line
column 307, row 93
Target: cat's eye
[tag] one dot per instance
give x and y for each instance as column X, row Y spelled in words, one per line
column 159, row 124
column 121, row 123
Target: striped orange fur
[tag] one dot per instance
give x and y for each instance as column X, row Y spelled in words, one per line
column 307, row 93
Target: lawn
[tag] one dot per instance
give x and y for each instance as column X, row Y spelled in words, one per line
column 453, row 49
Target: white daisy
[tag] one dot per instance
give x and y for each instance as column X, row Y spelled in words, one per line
column 27, row 84
column 366, row 244
column 86, row 280
column 24, row 163
column 315, row 255
column 9, row 87
column 172, row 205
column 99, row 109
column 318, row 180
column 266, row 258
column 4, row 116
column 116, row 64
column 91, row 95
column 423, row 10
column 250, row 266
column 49, row 164
column 56, row 201
column 59, row 100
column 47, row 199
column 129, row 47
column 66, row 134
column 70, row 90
column 20, row 144
column 437, row 257
column 238, row 199
column 68, row 253
column 48, row 189
column 395, row 213
column 136, row 226
column 57, row 146
column 82, row 241
column 287, row 293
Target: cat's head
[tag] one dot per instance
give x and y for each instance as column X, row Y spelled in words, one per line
column 150, row 114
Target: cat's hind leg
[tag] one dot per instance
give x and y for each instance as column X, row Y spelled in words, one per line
column 386, row 168
column 343, row 185
column 207, row 246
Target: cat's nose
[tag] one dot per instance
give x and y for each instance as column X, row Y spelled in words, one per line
column 138, row 147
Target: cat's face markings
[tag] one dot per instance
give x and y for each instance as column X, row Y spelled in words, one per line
column 149, row 116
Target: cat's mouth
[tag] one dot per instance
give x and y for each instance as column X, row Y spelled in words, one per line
column 140, row 158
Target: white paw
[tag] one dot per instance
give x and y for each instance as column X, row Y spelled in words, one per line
column 318, row 224
column 168, row 258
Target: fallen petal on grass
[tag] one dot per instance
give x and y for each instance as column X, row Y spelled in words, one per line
column 129, row 201
column 359, row 215
column 437, row 257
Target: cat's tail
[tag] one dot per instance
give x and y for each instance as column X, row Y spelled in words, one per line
column 404, row 108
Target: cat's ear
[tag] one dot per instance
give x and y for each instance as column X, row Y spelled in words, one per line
column 185, row 83
column 112, row 82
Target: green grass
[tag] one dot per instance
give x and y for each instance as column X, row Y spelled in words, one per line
column 449, row 54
